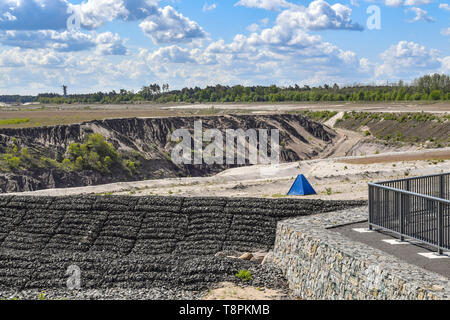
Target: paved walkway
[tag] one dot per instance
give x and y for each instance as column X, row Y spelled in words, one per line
column 409, row 251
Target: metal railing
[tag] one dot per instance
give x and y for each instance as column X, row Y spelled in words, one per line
column 416, row 208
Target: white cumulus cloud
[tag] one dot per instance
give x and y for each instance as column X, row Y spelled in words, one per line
column 110, row 44
column 33, row 14
column 64, row 41
column 406, row 59
column 43, row 24
column 445, row 64
column 265, row 4
column 393, row 3
column 444, row 6
column 170, row 26
column 319, row 15
column 398, row 3
column 209, row 7
column 420, row 15
column 417, row 2
column 16, row 57
column 95, row 13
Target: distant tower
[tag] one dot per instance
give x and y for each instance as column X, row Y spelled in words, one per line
column 64, row 87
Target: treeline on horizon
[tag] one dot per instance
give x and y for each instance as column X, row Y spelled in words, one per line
column 427, row 88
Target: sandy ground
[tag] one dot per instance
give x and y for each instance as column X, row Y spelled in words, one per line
column 333, row 179
column 230, row 291
column 440, row 107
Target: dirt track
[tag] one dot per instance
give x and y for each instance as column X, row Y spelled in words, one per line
column 412, row 156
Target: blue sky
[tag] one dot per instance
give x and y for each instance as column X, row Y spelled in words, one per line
column 114, row 44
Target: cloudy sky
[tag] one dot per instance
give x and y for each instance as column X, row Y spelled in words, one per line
column 100, row 45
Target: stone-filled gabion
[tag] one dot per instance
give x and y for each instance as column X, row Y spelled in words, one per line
column 140, row 242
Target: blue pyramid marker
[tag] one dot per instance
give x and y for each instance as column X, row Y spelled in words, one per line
column 301, row 187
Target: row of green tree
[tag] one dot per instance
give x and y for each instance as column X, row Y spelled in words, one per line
column 429, row 87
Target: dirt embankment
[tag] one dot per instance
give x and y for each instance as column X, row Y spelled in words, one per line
column 421, row 130
column 141, row 242
column 150, row 138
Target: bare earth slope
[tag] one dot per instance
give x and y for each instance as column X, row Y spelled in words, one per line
column 301, row 138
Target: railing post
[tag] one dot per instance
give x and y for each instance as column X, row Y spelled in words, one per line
column 440, row 228
column 400, row 200
column 407, row 211
column 386, row 207
column 371, row 190
column 441, row 187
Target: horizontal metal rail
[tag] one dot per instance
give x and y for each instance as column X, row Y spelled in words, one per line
column 410, row 193
column 416, row 208
column 414, row 178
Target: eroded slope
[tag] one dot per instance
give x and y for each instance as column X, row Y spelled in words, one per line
column 148, row 141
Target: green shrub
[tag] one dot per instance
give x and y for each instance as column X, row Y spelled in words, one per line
column 48, row 162
column 67, row 165
column 244, row 275
column 435, row 95
column 96, row 154
column 12, row 161
column 17, row 158
column 130, row 166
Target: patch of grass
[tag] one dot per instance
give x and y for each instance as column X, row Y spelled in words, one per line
column 42, row 296
column 244, row 275
column 279, row 195
column 319, row 115
column 13, row 121
column 105, row 194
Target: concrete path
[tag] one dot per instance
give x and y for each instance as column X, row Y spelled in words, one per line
column 410, row 251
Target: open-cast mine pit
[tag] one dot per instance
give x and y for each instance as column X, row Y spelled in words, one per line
column 140, row 247
column 145, row 141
